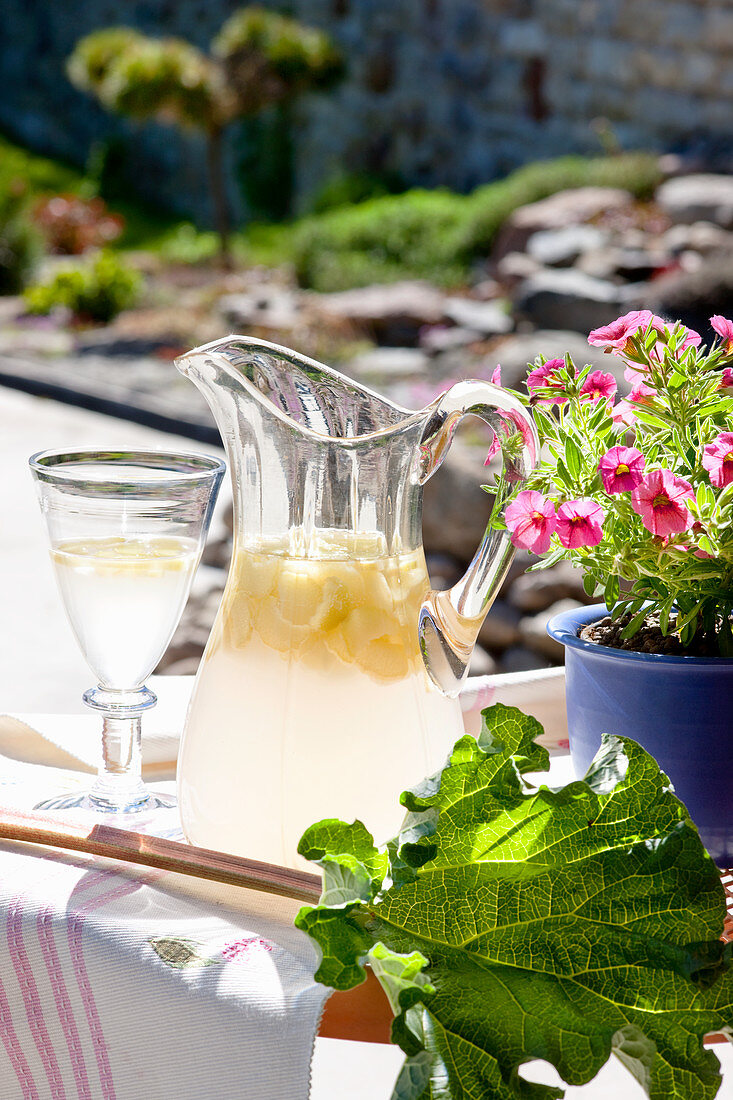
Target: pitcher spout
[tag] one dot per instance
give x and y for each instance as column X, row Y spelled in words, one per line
column 311, row 396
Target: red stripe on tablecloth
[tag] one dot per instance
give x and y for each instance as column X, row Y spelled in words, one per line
column 31, row 1000
column 44, row 924
column 9, row 1039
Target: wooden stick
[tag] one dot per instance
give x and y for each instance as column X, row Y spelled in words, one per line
column 154, row 851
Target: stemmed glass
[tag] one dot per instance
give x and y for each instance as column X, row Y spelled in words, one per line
column 126, row 530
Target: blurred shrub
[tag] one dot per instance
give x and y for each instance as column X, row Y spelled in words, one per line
column 382, row 240
column 348, row 188
column 96, row 292
column 19, row 243
column 70, row 224
column 436, row 234
column 270, row 58
column 38, row 174
column 186, row 245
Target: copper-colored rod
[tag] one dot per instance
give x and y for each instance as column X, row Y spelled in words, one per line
column 153, row 851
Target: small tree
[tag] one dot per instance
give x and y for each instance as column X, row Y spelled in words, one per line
column 259, row 59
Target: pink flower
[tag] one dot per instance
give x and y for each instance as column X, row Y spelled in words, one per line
column 633, row 370
column 615, row 337
column 623, row 413
column 641, row 392
column 545, row 377
column 718, row 460
column 531, row 519
column 724, row 328
column 726, row 378
column 599, row 385
column 659, row 499
column 495, row 445
column 494, row 448
column 621, row 469
column 579, row 523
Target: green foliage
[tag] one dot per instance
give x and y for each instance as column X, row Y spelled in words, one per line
column 163, row 78
column 186, row 245
column 415, row 234
column 350, row 188
column 34, row 175
column 39, row 177
column 19, row 243
column 436, row 234
column 261, row 60
column 71, row 224
column 95, row 292
column 515, row 923
column 269, row 58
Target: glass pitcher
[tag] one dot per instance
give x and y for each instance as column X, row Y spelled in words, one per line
column 329, row 682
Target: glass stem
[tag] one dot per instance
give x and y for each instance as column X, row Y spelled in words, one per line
column 119, row 784
column 118, row 787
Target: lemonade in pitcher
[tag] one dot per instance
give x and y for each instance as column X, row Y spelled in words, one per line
column 330, row 680
column 316, row 660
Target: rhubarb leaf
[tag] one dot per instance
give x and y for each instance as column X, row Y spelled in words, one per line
column 515, row 922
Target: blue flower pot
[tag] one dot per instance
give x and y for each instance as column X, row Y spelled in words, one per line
column 680, row 709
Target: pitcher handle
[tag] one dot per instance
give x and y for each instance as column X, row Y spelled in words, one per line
column 450, row 620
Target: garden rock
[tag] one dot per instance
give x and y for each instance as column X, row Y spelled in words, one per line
column 573, row 207
column 488, row 318
column 391, row 314
column 695, row 198
column 440, row 338
column 561, row 247
column 702, row 237
column 515, row 267
column 389, row 363
column 500, row 629
column 536, row 591
column 634, row 264
column 444, row 571
column 693, row 296
column 533, row 630
column 521, row 659
column 455, row 507
column 481, row 663
column 270, row 307
column 571, row 299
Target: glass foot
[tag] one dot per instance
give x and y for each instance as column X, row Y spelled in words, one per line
column 81, row 800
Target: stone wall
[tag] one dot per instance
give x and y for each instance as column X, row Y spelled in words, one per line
column 441, row 92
